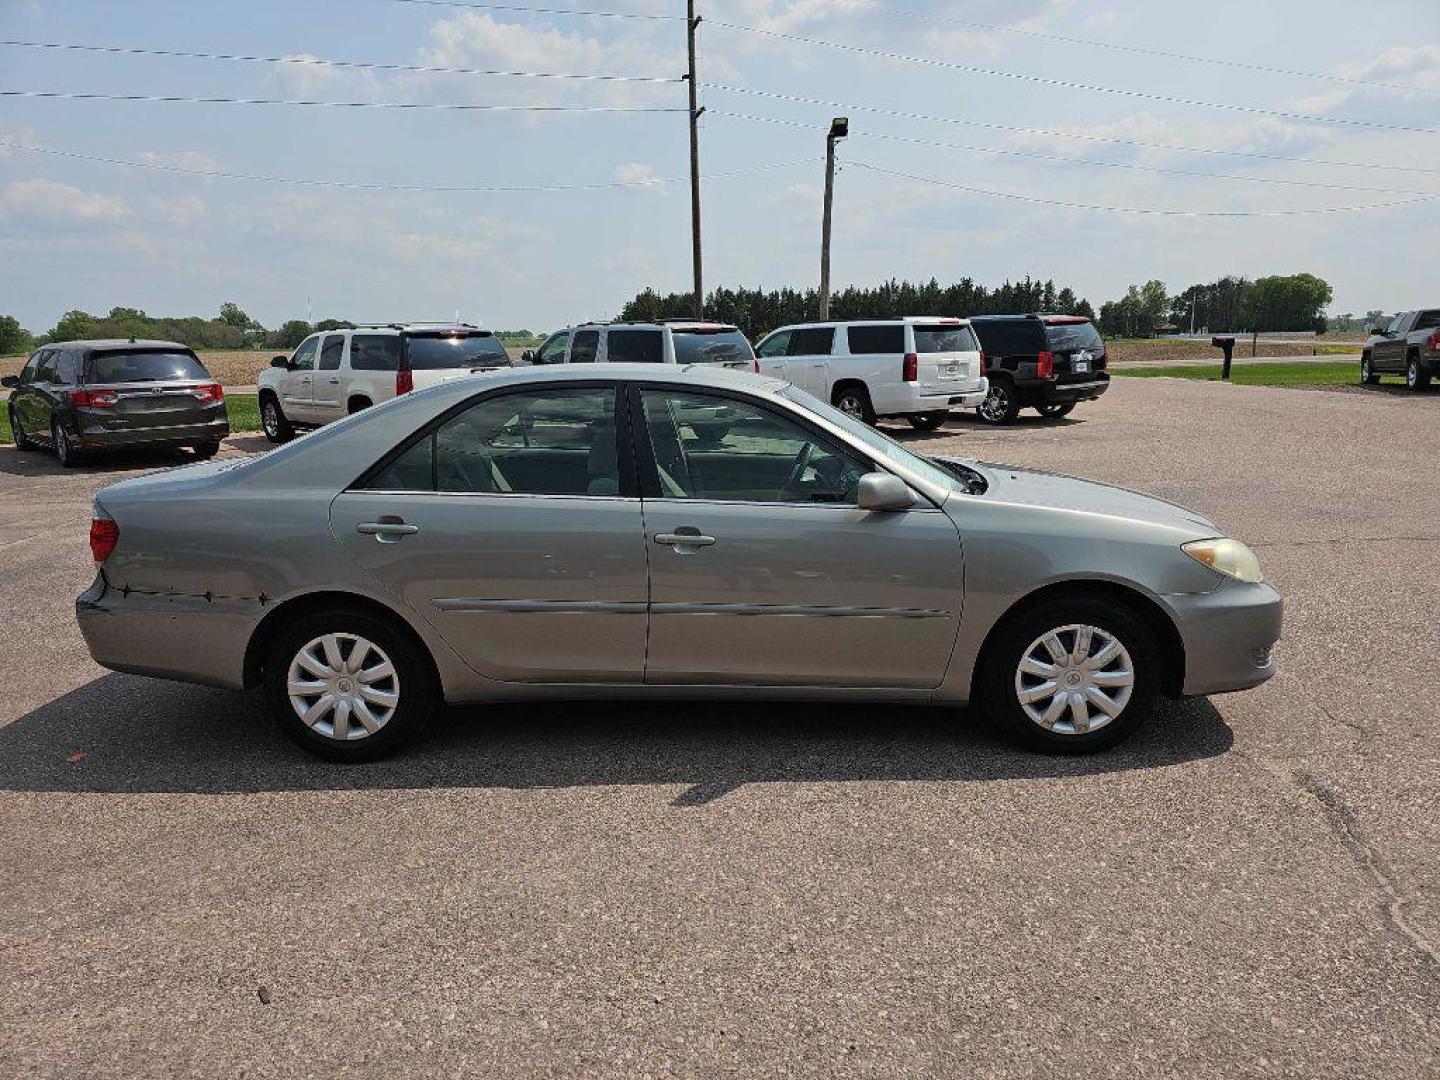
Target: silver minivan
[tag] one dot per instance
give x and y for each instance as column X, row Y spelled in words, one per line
column 670, row 341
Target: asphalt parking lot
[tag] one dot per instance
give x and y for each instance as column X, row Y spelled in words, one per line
column 1250, row 887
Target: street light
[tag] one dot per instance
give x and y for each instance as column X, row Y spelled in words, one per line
column 839, row 128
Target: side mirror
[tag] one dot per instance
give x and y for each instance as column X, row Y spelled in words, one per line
column 883, row 492
column 528, row 356
column 280, row 362
column 10, row 381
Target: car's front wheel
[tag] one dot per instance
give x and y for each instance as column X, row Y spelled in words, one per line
column 22, row 440
column 929, row 421
column 272, row 420
column 1000, row 405
column 1417, row 376
column 1073, row 675
column 347, row 685
column 1367, row 370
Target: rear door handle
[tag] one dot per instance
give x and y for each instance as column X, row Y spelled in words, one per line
column 682, row 540
column 334, row 382
column 387, row 532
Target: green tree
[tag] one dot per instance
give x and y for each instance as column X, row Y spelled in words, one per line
column 232, row 315
column 14, row 338
column 290, row 334
column 74, row 326
column 1287, row 302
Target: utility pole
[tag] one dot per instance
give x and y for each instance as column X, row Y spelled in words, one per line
column 692, row 21
column 839, row 128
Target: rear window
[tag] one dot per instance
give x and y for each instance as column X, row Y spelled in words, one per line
column 944, row 339
column 636, row 347
column 876, row 339
column 711, row 346
column 375, row 352
column 436, row 352
column 1067, row 337
column 1007, row 337
column 1428, row 320
column 118, row 367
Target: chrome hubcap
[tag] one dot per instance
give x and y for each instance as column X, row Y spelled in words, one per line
column 272, row 422
column 995, row 404
column 850, row 406
column 343, row 687
column 1074, row 679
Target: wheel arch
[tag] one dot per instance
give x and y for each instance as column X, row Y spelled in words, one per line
column 355, row 402
column 849, row 383
column 1167, row 635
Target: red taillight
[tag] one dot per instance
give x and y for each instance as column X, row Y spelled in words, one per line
column 755, row 365
column 984, row 364
column 94, row 399
column 210, row 392
column 104, row 535
column 404, row 381
column 1045, row 365
column 911, row 370
column 1433, row 342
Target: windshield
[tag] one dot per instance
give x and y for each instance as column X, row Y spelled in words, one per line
column 439, row 351
column 120, row 367
column 711, row 346
column 944, row 339
column 1067, row 337
column 882, row 445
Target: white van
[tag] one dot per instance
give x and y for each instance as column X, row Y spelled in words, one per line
column 918, row 367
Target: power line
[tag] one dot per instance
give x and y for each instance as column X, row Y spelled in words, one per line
column 311, row 61
column 546, row 10
column 360, row 186
column 1045, row 80
column 457, row 106
column 1149, row 211
column 1057, row 133
column 1061, row 160
column 1091, row 43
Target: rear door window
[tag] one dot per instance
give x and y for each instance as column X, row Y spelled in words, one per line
column 440, row 352
column 944, row 339
column 1428, row 320
column 123, row 367
column 45, row 369
column 635, row 347
column 876, row 339
column 586, row 344
column 330, row 352
column 711, row 346
column 67, row 367
column 812, row 341
column 1009, row 337
column 375, row 352
column 1068, row 337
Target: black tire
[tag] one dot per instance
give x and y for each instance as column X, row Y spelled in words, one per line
column 358, row 404
column 1367, row 370
column 1417, row 375
column 854, row 400
column 272, row 420
column 415, row 684
column 1001, row 405
column 22, row 441
column 65, row 452
column 1056, row 410
column 997, row 685
column 929, row 421
column 207, row 449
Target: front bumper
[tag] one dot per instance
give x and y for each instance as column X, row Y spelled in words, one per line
column 1229, row 635
column 97, row 437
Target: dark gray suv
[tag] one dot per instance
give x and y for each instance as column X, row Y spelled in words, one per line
column 79, row 396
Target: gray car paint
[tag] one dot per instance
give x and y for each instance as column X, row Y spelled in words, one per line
column 810, row 601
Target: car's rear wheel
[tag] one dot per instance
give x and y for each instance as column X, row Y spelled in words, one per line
column 1000, row 405
column 272, row 420
column 1057, row 410
column 1417, row 375
column 22, row 440
column 348, row 686
column 1072, row 676
column 854, row 400
column 929, row 421
column 207, row 449
column 65, row 452
column 1367, row 370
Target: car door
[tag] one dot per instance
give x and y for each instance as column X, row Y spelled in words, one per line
column 771, row 353
column 39, row 403
column 326, row 386
column 1389, row 353
column 514, row 528
column 807, row 363
column 24, row 398
column 763, row 571
column 295, row 382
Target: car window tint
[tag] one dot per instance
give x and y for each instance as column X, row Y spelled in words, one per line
column 876, row 339
column 635, row 346
column 330, row 352
column 709, row 447
column 375, row 352
column 1009, row 337
column 944, row 339
column 553, row 351
column 67, row 367
column 1398, row 323
column 304, row 358
column 1428, row 320
column 1067, row 337
column 777, row 344
column 121, row 367
column 812, row 341
column 442, row 351
column 45, row 369
column 711, row 347
column 586, row 343
column 27, row 374
column 414, row 470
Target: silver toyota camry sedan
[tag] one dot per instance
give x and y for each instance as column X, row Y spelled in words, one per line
column 695, row 532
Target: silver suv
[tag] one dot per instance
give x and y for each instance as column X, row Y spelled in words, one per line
column 337, row 372
column 670, row 341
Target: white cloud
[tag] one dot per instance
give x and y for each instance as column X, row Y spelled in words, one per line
column 639, row 176
column 193, row 160
column 52, row 201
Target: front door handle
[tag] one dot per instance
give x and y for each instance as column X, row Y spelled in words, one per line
column 686, row 541
column 388, row 530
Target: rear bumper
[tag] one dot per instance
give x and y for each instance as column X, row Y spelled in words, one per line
column 918, row 399
column 97, row 437
column 1057, row 393
column 1229, row 636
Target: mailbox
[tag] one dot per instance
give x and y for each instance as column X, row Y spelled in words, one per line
column 1226, row 345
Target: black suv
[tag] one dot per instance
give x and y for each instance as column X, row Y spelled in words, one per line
column 77, row 396
column 1046, row 362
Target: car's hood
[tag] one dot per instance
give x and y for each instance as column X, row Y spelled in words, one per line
column 1033, row 488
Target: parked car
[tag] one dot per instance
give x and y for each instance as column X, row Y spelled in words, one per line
column 78, row 397
column 1045, row 362
column 916, row 367
column 561, row 532
column 339, row 372
column 674, row 341
column 1409, row 345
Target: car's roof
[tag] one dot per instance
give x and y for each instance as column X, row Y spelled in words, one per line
column 110, row 344
column 674, row 324
column 883, row 320
column 1064, row 320
column 694, row 374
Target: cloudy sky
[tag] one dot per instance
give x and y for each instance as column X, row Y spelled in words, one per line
column 1044, row 101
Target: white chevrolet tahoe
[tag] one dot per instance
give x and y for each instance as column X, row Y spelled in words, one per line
column 916, row 367
column 669, row 342
column 337, row 372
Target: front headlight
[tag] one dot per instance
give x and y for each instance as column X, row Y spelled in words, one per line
column 1226, row 556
